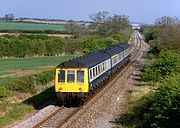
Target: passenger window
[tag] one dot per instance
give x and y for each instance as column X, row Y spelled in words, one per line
column 70, row 76
column 80, row 76
column 103, row 66
column 94, row 72
column 61, row 76
column 114, row 59
column 97, row 71
column 91, row 74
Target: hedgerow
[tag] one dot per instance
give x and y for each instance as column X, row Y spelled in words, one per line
column 161, row 108
column 165, row 64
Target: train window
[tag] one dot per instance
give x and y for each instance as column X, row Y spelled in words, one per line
column 80, row 76
column 70, row 76
column 61, row 76
column 94, row 72
column 99, row 69
column 90, row 74
column 114, row 59
column 103, row 66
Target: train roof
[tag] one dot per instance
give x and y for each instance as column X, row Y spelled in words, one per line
column 92, row 59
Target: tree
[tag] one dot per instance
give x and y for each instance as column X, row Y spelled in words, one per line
column 9, row 17
column 166, row 21
column 99, row 17
column 117, row 24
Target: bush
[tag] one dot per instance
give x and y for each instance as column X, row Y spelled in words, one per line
column 96, row 43
column 30, row 45
column 28, row 83
column 164, row 65
column 162, row 107
column 4, row 92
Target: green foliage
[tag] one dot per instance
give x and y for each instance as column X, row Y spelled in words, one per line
column 44, row 77
column 41, row 45
column 161, row 108
column 30, row 26
column 154, row 47
column 151, row 34
column 96, row 43
column 4, row 92
column 166, row 63
column 30, row 45
column 117, row 24
column 16, row 112
column 11, row 65
column 120, row 38
column 28, row 83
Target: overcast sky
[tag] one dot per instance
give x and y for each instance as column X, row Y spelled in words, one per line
column 145, row 11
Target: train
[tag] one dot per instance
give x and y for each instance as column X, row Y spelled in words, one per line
column 80, row 76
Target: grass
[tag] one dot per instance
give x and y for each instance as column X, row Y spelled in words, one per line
column 4, row 72
column 32, row 63
column 15, row 112
column 30, row 26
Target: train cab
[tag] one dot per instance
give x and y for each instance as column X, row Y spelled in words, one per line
column 71, row 78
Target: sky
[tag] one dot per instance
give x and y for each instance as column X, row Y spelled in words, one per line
column 145, row 11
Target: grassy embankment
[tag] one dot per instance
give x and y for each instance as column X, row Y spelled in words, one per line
column 16, row 71
column 156, row 101
column 13, row 67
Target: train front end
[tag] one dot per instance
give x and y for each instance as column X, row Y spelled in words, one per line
column 71, row 82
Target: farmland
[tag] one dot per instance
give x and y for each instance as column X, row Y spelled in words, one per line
column 30, row 26
column 14, row 67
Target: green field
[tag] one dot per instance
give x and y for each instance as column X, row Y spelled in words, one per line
column 30, row 26
column 26, row 64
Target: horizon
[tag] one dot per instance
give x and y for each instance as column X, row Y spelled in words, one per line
column 79, row 10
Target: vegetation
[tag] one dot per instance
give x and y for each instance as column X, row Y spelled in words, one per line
column 30, row 26
column 29, row 52
column 14, row 112
column 34, row 78
column 31, row 63
column 30, row 45
column 109, row 25
column 159, row 108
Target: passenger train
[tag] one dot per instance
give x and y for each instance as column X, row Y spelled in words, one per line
column 79, row 76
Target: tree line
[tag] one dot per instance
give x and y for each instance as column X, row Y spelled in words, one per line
column 103, row 33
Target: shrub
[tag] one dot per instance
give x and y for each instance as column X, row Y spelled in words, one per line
column 164, row 65
column 161, row 108
column 28, row 83
column 4, row 92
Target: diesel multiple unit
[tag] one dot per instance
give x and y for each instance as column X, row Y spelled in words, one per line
column 82, row 75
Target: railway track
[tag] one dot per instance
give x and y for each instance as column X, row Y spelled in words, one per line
column 63, row 114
